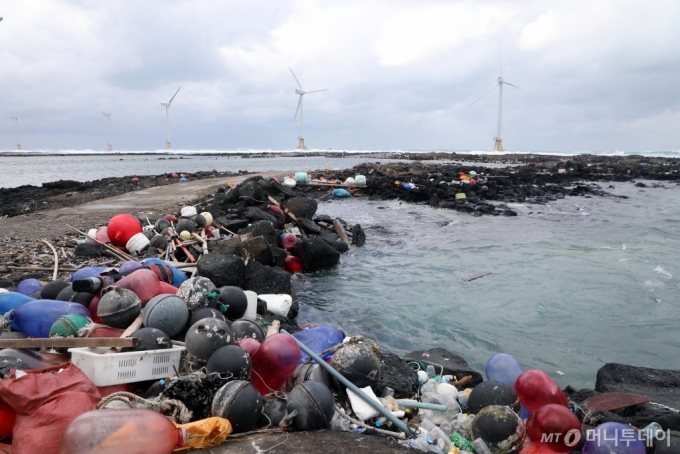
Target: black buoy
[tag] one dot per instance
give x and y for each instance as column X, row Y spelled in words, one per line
column 197, row 292
column 51, row 290
column 162, row 225
column 166, row 312
column 149, row 339
column 308, row 371
column 492, row 392
column 273, row 411
column 199, row 220
column 185, row 225
column 358, row 363
column 233, row 300
column 231, row 359
column 119, row 307
column 500, row 428
column 314, row 404
column 70, row 295
column 207, row 335
column 240, row 403
column 247, row 329
column 205, row 312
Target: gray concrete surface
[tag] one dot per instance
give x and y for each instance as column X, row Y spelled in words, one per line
column 165, row 199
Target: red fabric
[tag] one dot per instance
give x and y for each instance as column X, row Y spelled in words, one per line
column 46, row 402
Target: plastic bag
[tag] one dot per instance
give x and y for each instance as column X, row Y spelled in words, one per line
column 205, row 433
column 46, row 401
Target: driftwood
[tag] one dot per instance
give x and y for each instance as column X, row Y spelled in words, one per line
column 69, row 342
column 134, row 326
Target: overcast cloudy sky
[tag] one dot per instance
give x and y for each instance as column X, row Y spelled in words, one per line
column 604, row 74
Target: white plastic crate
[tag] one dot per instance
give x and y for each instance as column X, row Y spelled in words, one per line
column 128, row 367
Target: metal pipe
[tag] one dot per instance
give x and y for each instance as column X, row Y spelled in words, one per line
column 408, row 403
column 377, row 405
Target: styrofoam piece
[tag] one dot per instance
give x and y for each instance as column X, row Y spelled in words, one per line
column 251, row 311
column 362, row 409
column 187, row 212
column 278, row 304
column 137, row 243
column 289, row 182
column 118, row 368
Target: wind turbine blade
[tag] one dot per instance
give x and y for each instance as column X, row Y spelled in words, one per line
column 160, row 99
column 298, row 108
column 173, row 96
column 508, row 83
column 316, row 91
column 484, row 95
column 296, row 80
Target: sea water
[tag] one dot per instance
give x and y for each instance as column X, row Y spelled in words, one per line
column 575, row 284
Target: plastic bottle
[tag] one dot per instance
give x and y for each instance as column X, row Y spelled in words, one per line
column 434, row 432
column 447, row 428
column 461, row 442
column 35, row 318
column 143, row 282
column 465, row 428
column 429, row 387
column 480, row 447
column 430, row 371
column 288, row 240
column 463, row 399
column 275, row 361
column 340, row 424
column 132, row 431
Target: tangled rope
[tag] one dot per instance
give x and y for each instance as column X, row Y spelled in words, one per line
column 387, row 433
column 175, row 408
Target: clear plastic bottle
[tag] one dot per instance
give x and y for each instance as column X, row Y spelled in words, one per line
column 463, row 399
column 435, row 433
column 132, row 431
column 430, row 371
column 340, row 424
column 480, row 447
column 429, row 387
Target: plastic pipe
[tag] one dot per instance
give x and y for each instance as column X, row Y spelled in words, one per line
column 415, row 404
column 377, row 405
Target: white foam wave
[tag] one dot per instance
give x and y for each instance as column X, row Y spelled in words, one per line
column 659, row 269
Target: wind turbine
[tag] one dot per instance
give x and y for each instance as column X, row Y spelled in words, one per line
column 108, row 124
column 498, row 145
column 17, row 121
column 167, row 118
column 301, row 92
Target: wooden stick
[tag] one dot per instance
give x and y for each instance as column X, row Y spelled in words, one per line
column 69, row 342
column 117, row 252
column 56, row 259
column 273, row 328
column 221, row 227
column 134, row 326
column 204, row 244
column 39, row 268
column 337, row 226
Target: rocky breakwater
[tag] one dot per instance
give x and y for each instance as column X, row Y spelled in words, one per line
column 482, row 189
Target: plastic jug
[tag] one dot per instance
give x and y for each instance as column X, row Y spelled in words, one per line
column 132, row 431
column 275, row 361
column 35, row 318
column 144, row 283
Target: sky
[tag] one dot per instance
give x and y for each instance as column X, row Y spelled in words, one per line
column 601, row 75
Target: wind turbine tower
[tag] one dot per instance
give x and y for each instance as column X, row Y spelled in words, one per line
column 108, row 124
column 301, row 92
column 167, row 119
column 17, row 121
column 498, row 144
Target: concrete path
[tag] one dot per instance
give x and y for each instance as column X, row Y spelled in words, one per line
column 165, row 199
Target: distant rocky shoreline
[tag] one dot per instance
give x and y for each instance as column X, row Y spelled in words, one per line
column 511, row 178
